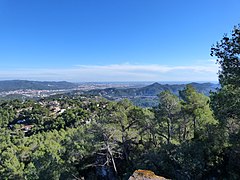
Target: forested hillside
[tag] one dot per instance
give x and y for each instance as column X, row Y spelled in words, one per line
column 190, row 136
column 11, row 85
column 152, row 90
column 147, row 96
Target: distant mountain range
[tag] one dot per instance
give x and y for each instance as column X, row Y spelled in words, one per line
column 11, row 85
column 147, row 96
column 152, row 90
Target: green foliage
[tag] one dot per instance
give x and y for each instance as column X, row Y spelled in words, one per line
column 196, row 108
column 226, row 101
column 167, row 116
column 227, row 52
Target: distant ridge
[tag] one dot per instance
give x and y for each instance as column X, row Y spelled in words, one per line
column 155, row 88
column 152, row 90
column 11, row 85
column 144, row 96
column 147, row 96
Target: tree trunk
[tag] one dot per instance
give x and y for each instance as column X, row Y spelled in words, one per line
column 112, row 159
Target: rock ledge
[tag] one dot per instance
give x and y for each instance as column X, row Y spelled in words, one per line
column 145, row 175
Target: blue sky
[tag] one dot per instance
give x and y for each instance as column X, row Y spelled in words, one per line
column 112, row 40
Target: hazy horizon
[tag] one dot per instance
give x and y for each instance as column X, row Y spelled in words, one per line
column 119, row 82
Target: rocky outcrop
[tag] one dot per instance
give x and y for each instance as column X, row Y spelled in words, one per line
column 145, row 175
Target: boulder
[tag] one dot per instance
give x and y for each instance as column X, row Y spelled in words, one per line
column 145, row 175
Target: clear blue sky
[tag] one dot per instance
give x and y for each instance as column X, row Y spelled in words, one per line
column 112, row 40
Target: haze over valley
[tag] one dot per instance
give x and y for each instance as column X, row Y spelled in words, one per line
column 144, row 94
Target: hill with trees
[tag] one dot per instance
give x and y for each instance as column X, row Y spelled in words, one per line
column 147, row 96
column 152, row 90
column 11, row 85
